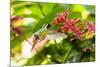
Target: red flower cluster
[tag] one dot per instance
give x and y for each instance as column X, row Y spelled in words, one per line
column 60, row 17
column 90, row 26
column 70, row 24
column 17, row 30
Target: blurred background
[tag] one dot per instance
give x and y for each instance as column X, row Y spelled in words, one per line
column 30, row 18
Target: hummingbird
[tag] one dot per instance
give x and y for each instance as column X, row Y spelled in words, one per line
column 47, row 32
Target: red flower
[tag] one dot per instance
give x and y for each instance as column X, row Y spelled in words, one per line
column 60, row 18
column 90, row 26
column 70, row 24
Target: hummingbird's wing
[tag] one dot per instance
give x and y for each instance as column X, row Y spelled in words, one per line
column 56, row 35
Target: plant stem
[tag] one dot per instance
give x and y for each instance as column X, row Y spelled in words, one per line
column 41, row 9
column 67, row 55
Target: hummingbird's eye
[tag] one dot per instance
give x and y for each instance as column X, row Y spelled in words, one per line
column 48, row 26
